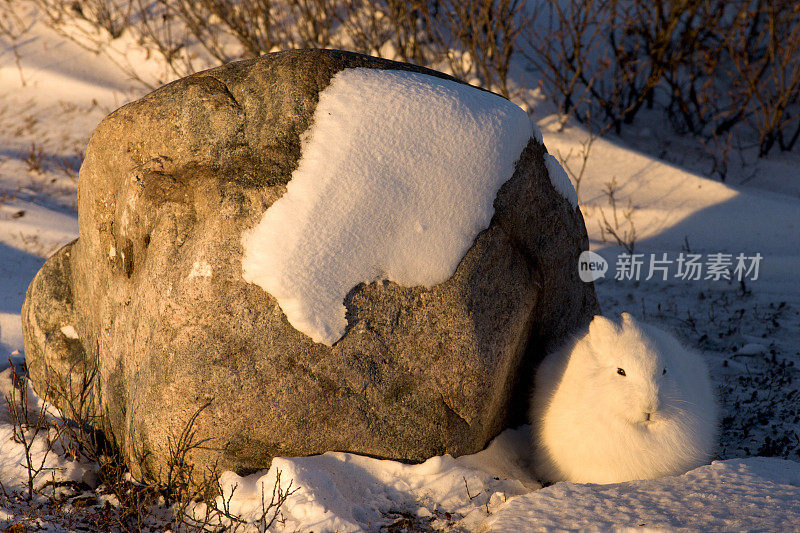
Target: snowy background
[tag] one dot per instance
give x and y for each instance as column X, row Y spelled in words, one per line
column 53, row 92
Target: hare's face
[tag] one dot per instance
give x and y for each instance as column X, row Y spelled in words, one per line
column 629, row 373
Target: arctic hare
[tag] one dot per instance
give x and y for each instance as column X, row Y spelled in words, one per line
column 623, row 401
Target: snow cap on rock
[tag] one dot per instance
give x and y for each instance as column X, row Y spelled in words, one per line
column 560, row 180
column 397, row 177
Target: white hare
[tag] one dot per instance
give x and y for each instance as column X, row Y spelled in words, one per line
column 624, row 401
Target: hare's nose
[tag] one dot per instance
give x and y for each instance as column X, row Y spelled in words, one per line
column 647, row 417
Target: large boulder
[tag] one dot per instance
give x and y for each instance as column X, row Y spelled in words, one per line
column 150, row 302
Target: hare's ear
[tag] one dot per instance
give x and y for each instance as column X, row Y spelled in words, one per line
column 602, row 330
column 628, row 320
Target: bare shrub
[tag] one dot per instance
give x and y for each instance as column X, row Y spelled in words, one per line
column 685, row 43
column 5, row 196
column 179, row 475
column 620, row 226
column 227, row 30
column 712, row 66
column 31, row 424
column 177, row 490
column 111, row 16
column 81, row 439
column 12, row 25
column 388, row 28
column 577, row 171
column 12, row 28
column 114, row 16
column 73, row 393
column 163, row 31
column 474, row 39
column 70, row 165
column 34, row 158
column 252, row 23
column 183, row 488
column 602, row 60
column 718, row 147
column 564, row 42
column 270, row 511
column 765, row 53
column 479, row 37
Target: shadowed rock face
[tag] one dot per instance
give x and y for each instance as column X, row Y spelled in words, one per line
column 167, row 328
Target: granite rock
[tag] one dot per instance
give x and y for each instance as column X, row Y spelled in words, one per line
column 170, row 334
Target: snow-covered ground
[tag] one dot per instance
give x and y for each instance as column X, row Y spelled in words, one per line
column 734, row 495
column 52, row 94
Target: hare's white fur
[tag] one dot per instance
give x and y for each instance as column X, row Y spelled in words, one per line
column 590, row 424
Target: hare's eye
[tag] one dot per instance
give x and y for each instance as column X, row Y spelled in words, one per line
column 621, row 372
column 664, row 371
